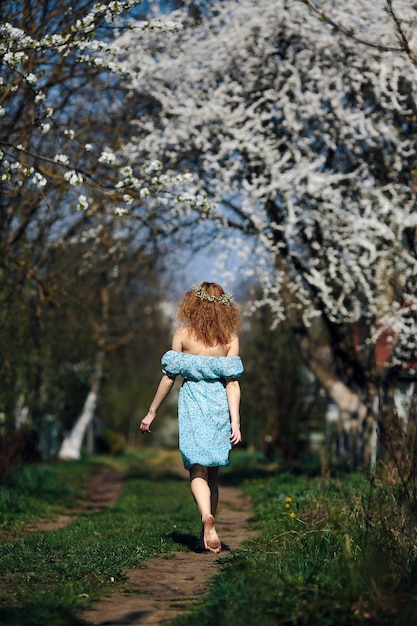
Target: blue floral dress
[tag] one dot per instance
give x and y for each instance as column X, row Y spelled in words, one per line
column 203, row 410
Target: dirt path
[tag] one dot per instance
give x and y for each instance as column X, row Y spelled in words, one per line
column 102, row 489
column 165, row 587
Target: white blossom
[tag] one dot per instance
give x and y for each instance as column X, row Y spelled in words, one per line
column 107, row 156
column 14, row 59
column 15, row 166
column 126, row 172
column 285, row 123
column 120, row 211
column 61, row 158
column 73, row 177
column 82, row 203
column 159, row 24
column 31, row 78
column 39, row 180
column 154, row 166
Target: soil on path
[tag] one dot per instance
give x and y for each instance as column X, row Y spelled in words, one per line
column 166, row 587
column 102, row 489
column 161, row 590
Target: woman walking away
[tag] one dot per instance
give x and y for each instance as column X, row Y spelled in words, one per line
column 205, row 352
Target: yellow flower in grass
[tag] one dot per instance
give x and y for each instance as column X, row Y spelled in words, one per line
column 292, row 514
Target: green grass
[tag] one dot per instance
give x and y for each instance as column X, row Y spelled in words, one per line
column 329, row 552
column 38, row 490
column 48, row 576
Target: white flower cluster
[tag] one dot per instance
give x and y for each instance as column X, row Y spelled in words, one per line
column 82, row 203
column 74, row 178
column 120, row 211
column 286, row 144
column 107, row 156
column 77, row 41
column 61, row 158
column 39, row 180
column 160, row 25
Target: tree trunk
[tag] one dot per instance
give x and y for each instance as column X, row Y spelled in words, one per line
column 71, row 445
column 318, row 352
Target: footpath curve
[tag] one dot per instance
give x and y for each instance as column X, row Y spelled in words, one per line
column 165, row 588
column 102, row 490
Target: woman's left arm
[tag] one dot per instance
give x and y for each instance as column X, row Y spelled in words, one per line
column 233, row 395
column 233, row 399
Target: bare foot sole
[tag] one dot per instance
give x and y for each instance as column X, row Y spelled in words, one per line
column 211, row 539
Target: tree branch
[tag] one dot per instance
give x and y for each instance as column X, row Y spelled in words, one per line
column 403, row 40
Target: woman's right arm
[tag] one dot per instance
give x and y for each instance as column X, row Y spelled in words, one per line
column 163, row 390
column 164, row 387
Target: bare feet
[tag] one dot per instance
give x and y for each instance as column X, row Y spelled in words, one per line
column 211, row 539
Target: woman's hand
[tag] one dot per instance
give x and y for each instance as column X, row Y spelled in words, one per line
column 236, row 436
column 144, row 426
column 163, row 390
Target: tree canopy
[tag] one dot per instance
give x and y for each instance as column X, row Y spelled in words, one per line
column 306, row 140
column 74, row 220
column 285, row 129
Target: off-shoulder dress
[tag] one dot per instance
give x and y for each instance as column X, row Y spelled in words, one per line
column 203, row 410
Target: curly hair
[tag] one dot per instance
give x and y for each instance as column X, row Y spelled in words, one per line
column 211, row 322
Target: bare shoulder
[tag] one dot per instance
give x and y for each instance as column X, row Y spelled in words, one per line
column 183, row 332
column 180, row 338
column 233, row 346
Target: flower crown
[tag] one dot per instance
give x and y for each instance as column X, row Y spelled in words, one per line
column 226, row 298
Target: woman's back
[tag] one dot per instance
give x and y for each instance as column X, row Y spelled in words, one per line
column 184, row 340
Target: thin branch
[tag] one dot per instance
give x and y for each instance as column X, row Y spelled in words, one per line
column 404, row 45
column 401, row 34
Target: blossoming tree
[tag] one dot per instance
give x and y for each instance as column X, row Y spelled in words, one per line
column 306, row 139
column 65, row 184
